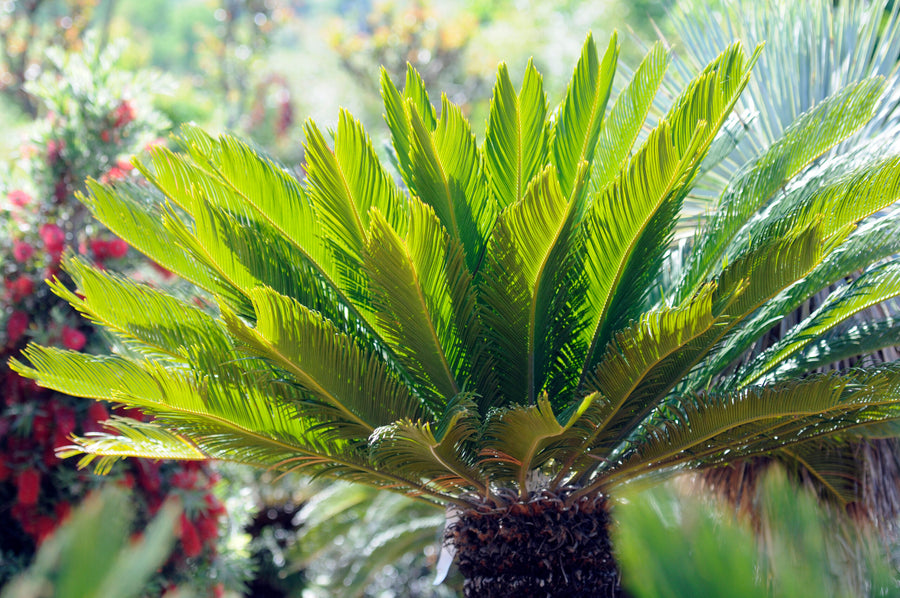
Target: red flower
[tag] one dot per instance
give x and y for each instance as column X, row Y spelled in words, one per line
column 208, row 529
column 73, row 339
column 123, row 114
column 62, row 509
column 65, row 420
column 117, row 248
column 20, row 288
column 125, row 166
column 28, row 487
column 97, row 412
column 100, row 249
column 105, row 136
column 17, row 325
column 18, row 198
column 22, row 251
column 185, row 479
column 4, row 470
column 190, row 540
column 54, row 238
column 214, row 506
column 43, row 527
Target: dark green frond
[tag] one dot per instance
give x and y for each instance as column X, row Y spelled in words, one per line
column 807, row 138
column 872, row 287
column 864, row 338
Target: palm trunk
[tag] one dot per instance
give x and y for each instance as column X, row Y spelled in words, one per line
column 539, row 547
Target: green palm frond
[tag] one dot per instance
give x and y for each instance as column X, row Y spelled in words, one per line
column 636, row 210
column 434, row 455
column 529, row 244
column 157, row 321
column 863, row 339
column 128, row 437
column 515, row 145
column 518, row 437
column 414, row 293
column 129, row 217
column 576, row 126
column 872, row 287
column 756, row 420
column 325, row 362
column 449, row 176
column 620, row 129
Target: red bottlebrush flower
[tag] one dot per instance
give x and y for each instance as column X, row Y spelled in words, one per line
column 190, row 540
column 208, row 528
column 97, row 412
column 43, row 527
column 214, row 506
column 113, row 174
column 62, row 510
column 73, row 339
column 117, row 248
column 105, row 136
column 218, row 590
column 100, row 249
column 18, row 198
column 125, row 166
column 54, row 150
column 22, row 251
column 148, row 475
column 123, row 114
column 28, row 487
column 41, row 427
column 126, row 481
column 65, row 420
column 185, row 479
column 54, row 238
column 20, row 288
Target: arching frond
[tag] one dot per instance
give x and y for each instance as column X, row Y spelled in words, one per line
column 620, row 129
column 637, row 209
column 807, row 138
column 576, row 125
column 330, row 365
column 515, row 145
column 516, row 439
column 872, row 287
column 413, row 295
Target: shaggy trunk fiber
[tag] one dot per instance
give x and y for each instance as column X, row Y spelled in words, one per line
column 538, row 548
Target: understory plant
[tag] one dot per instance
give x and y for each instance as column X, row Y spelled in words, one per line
column 493, row 334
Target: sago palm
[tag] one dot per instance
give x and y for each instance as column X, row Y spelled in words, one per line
column 491, row 335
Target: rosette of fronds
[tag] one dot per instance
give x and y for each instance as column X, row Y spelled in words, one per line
column 491, row 332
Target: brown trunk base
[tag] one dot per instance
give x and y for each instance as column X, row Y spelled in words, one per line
column 536, row 548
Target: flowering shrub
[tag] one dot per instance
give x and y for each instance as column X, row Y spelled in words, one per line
column 400, row 32
column 97, row 117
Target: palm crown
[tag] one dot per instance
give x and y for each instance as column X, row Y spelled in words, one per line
column 499, row 325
